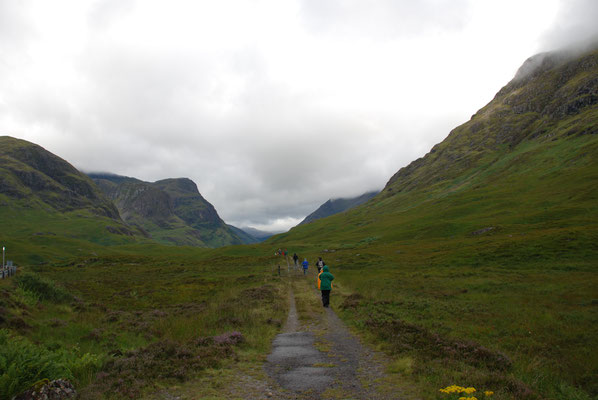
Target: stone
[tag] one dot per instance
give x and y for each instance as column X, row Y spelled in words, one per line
column 58, row 389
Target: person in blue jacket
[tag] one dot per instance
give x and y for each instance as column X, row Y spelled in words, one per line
column 305, row 266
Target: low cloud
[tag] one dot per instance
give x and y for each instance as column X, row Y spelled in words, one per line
column 575, row 25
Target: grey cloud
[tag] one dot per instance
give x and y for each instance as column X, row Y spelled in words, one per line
column 386, row 18
column 104, row 12
column 576, row 25
column 14, row 28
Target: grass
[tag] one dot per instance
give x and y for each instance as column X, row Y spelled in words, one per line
column 307, row 302
column 512, row 323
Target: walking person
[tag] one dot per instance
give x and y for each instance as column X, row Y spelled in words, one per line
column 296, row 259
column 325, row 279
column 320, row 264
column 305, row 266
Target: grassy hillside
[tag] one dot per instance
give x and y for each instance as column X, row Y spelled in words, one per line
column 485, row 248
column 50, row 210
column 27, row 171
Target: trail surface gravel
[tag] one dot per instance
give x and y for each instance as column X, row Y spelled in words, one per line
column 325, row 360
column 319, row 359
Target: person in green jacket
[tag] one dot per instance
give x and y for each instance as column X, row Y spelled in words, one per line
column 325, row 285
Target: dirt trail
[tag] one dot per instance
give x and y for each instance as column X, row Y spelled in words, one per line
column 294, row 360
column 324, row 361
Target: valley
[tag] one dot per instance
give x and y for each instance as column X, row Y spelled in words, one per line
column 475, row 266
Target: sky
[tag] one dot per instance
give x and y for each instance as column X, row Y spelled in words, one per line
column 271, row 107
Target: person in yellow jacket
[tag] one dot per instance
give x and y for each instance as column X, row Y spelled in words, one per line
column 325, row 279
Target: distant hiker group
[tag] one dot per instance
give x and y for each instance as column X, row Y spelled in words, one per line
column 324, row 277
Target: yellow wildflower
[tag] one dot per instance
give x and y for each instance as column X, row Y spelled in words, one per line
column 468, row 390
column 488, row 393
column 452, row 389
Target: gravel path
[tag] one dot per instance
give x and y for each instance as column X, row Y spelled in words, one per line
column 320, row 360
column 324, row 361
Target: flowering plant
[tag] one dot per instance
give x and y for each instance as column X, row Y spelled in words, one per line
column 460, row 391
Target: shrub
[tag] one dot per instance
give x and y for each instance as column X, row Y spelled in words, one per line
column 167, row 361
column 43, row 288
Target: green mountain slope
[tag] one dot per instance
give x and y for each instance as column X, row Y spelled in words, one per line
column 48, row 207
column 171, row 211
column 527, row 160
column 335, row 206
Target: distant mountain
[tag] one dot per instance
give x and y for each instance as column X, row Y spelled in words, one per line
column 335, row 206
column 247, row 237
column 259, row 236
column 44, row 199
column 171, row 211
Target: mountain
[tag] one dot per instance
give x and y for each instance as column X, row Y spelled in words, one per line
column 552, row 98
column 171, row 211
column 44, row 199
column 335, row 206
column 247, row 237
column 30, row 172
column 527, row 161
column 259, row 235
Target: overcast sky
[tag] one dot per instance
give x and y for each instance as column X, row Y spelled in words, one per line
column 271, row 106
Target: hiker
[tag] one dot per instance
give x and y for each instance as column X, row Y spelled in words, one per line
column 305, row 266
column 320, row 264
column 325, row 279
column 296, row 259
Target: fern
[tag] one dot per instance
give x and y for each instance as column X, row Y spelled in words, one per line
column 22, row 364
